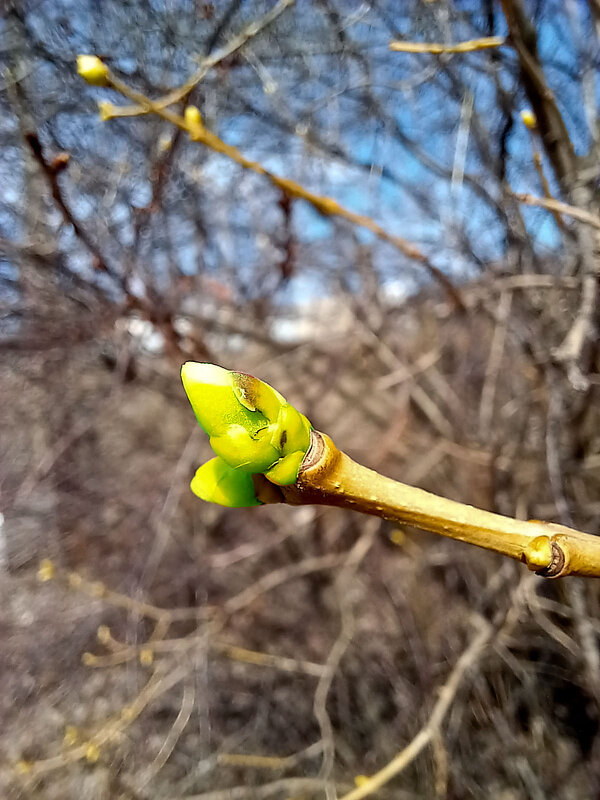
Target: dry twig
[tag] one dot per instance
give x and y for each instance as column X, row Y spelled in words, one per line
column 235, row 43
column 557, row 207
column 473, row 45
column 341, row 644
column 429, row 731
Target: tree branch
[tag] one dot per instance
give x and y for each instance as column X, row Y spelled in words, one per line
column 326, row 206
column 437, row 49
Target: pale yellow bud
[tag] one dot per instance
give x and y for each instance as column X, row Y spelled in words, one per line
column 46, row 570
column 92, row 70
column 538, row 553
column 146, row 657
column 92, row 753
column 398, row 537
column 103, row 633
column 193, row 116
column 193, row 120
column 529, row 119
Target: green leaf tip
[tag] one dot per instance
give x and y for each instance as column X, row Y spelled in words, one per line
column 252, row 429
column 217, row 482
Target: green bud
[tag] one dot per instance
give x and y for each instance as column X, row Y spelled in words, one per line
column 293, row 430
column 256, row 395
column 286, row 469
column 217, row 482
column 210, row 390
column 246, row 452
column 251, row 426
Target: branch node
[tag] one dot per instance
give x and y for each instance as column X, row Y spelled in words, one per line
column 315, row 451
column 545, row 557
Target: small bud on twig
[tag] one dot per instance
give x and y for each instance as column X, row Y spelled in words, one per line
column 193, row 119
column 268, row 453
column 92, row 70
column 529, row 119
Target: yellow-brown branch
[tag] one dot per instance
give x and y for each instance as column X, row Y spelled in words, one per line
column 436, row 48
column 330, row 477
column 555, row 206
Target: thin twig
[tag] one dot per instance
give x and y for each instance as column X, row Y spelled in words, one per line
column 175, row 733
column 269, row 762
column 486, row 404
column 159, row 683
column 436, row 48
column 582, row 329
column 427, row 733
column 279, row 576
column 326, row 206
column 556, row 206
column 51, row 171
column 539, row 168
column 284, row 663
column 552, row 127
column 181, row 92
column 288, row 786
column 341, row 644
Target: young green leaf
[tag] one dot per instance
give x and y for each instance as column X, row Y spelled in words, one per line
column 217, row 482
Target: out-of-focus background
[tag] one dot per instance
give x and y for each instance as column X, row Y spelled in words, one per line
column 154, row 646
